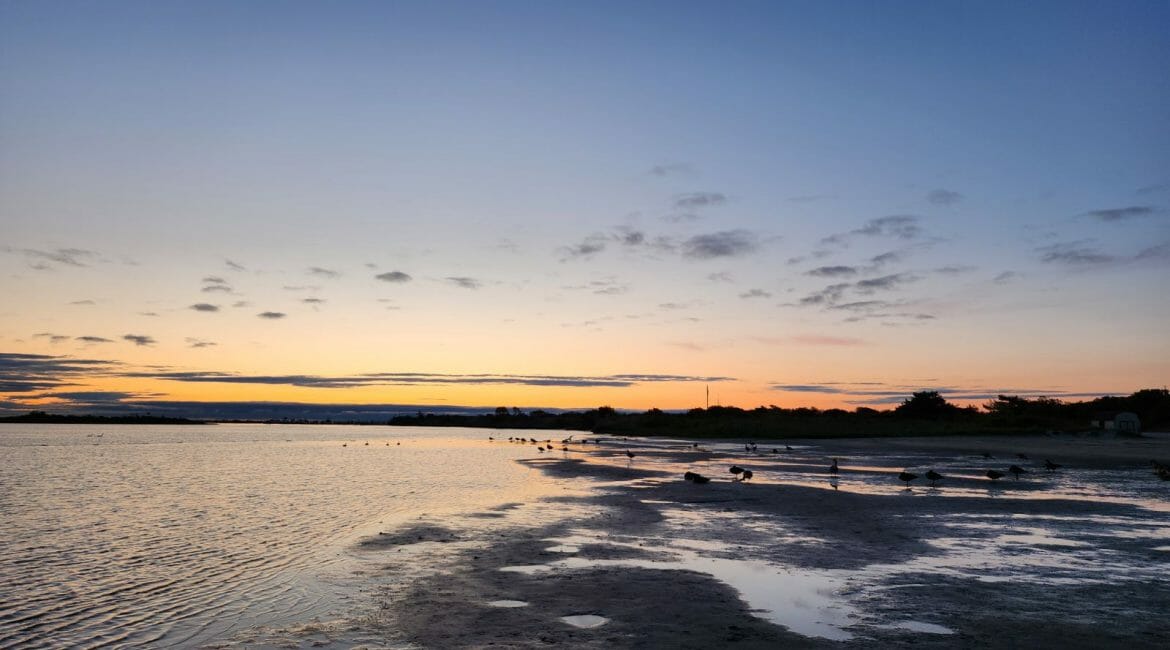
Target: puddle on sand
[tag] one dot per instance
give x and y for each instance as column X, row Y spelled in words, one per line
column 585, row 620
column 805, row 602
column 508, row 603
column 528, row 569
column 918, row 626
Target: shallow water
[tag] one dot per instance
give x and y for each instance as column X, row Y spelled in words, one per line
column 180, row 535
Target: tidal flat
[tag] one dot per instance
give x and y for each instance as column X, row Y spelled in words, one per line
column 633, row 556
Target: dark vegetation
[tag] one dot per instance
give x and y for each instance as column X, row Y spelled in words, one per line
column 924, row 413
column 40, row 417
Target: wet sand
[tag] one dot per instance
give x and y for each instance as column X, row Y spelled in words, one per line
column 1075, row 558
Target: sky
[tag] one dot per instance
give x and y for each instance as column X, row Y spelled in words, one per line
column 575, row 204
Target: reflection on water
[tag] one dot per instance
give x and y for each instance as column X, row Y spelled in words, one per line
column 803, row 601
column 163, row 535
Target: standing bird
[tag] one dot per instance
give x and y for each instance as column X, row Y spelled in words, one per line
column 994, row 475
column 906, row 477
column 700, row 479
column 689, row 476
column 737, row 470
column 1017, row 470
column 833, row 468
column 747, row 474
column 1051, row 466
column 933, row 476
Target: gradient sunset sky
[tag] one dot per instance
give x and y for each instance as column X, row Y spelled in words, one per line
column 571, row 204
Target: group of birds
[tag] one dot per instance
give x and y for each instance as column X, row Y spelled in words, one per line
column 993, row 474
column 740, row 473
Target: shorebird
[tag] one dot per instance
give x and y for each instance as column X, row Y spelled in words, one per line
column 689, row 476
column 737, row 470
column 994, row 475
column 747, row 475
column 906, row 477
column 1017, row 470
column 933, row 476
column 833, row 468
column 700, row 479
column 1051, row 466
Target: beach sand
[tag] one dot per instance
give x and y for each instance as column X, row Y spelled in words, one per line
column 1075, row 558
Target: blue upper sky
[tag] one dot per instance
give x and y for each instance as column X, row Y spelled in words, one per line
column 805, row 198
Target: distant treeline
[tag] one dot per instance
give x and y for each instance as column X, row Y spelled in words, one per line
column 40, row 417
column 923, row 413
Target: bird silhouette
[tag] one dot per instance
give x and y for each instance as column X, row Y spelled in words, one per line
column 933, row 476
column 700, row 479
column 689, row 476
column 1017, row 470
column 833, row 468
column 629, row 453
column 1051, row 466
column 737, row 470
column 994, row 475
column 906, row 477
column 747, row 475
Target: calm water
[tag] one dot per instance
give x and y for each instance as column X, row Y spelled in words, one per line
column 176, row 536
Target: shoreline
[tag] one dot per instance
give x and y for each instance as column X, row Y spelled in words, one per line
column 786, row 560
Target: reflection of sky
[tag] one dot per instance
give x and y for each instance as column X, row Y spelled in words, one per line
column 822, row 205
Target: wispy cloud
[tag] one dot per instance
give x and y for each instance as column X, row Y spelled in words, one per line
column 881, row 393
column 204, row 307
column 1077, row 253
column 899, row 226
column 672, row 169
column 313, row 301
column 235, row 266
column 727, row 243
column 591, row 246
column 696, row 200
column 944, row 197
column 217, row 288
column 411, row 379
column 1122, row 214
column 93, row 339
column 393, row 276
column 199, row 343
column 139, row 339
column 25, row 373
column 755, row 293
column 323, row 272
column 48, row 260
column 83, row 303
column 832, row 271
column 214, row 279
column 272, row 315
column 463, row 282
column 885, row 282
